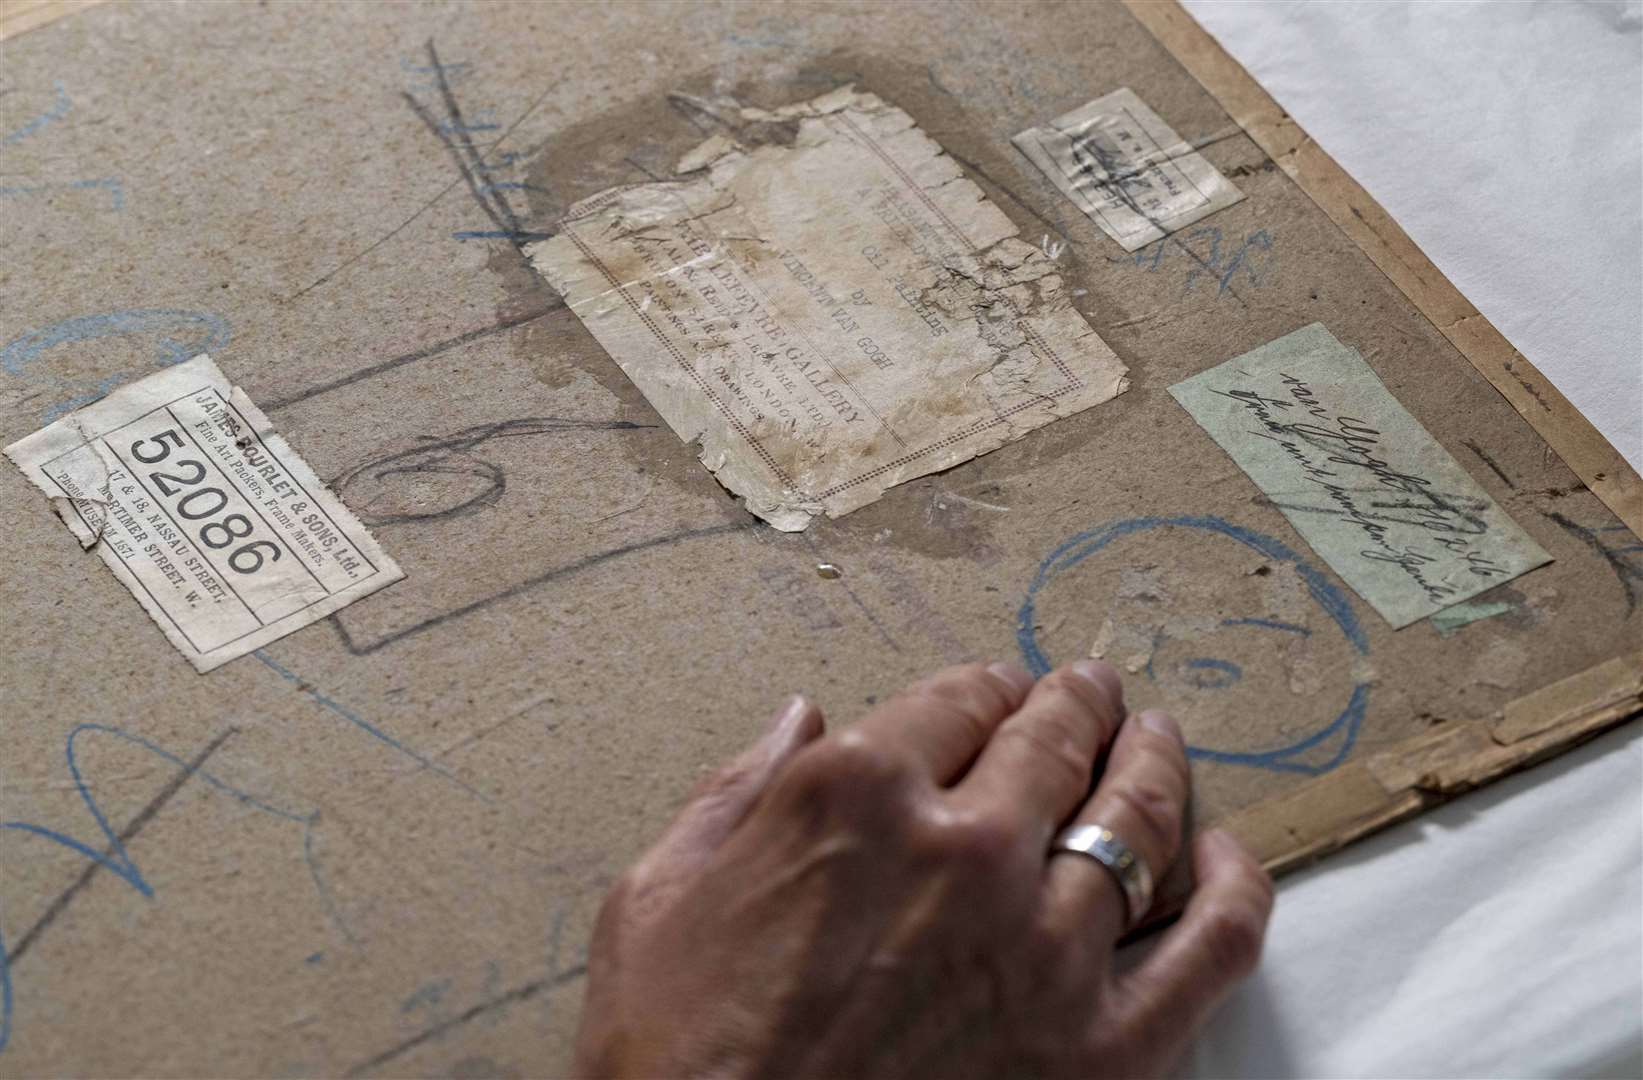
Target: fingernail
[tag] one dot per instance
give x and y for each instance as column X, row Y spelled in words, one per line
column 1017, row 676
column 1162, row 723
column 1101, row 675
column 787, row 715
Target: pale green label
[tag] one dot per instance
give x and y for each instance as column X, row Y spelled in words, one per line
column 1361, row 480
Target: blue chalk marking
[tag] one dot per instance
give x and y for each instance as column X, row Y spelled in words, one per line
column 1333, row 602
column 197, row 332
column 1276, row 760
column 502, row 160
column 1221, row 673
column 118, row 860
column 90, row 392
column 1258, row 239
column 1214, row 263
column 339, row 709
column 106, row 183
column 426, row 995
column 182, row 335
column 59, row 108
column 120, row 863
column 510, row 185
column 457, row 71
column 1270, row 624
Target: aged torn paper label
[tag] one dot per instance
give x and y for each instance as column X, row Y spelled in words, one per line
column 1367, row 486
column 831, row 316
column 223, row 534
column 1122, row 165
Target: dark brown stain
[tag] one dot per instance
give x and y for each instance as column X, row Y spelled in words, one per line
column 638, row 143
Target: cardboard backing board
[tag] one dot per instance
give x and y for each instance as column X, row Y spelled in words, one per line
column 376, row 846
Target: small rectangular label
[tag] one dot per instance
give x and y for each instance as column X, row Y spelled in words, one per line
column 1129, row 171
column 829, row 317
column 1361, row 480
column 224, row 535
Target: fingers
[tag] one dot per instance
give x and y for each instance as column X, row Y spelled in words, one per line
column 942, row 722
column 1142, row 799
column 721, row 801
column 1210, row 950
column 1039, row 761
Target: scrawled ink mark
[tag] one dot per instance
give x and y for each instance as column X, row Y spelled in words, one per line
column 1459, row 509
column 1489, row 461
column 1624, row 556
column 450, row 456
column 338, row 709
column 556, row 574
column 117, row 859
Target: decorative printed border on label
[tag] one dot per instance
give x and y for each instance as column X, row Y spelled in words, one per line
column 1361, row 480
column 1129, row 171
column 828, row 317
column 222, row 533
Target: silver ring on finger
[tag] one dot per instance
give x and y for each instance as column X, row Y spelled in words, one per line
column 1130, row 870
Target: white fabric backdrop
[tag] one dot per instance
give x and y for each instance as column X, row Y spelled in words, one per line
column 1501, row 935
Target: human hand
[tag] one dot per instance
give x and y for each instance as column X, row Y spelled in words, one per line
column 880, row 901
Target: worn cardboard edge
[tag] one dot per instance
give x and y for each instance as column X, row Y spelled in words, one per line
column 1587, row 453
column 21, row 16
column 1420, row 772
column 1381, row 789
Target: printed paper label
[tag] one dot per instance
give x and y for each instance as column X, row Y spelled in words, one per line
column 831, row 317
column 1122, row 165
column 223, row 534
column 1367, row 486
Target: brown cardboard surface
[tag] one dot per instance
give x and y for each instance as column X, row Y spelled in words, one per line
column 376, row 847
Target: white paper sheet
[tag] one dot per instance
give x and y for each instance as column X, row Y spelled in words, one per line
column 1507, row 140
column 828, row 318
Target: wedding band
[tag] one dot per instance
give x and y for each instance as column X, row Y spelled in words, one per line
column 1131, row 872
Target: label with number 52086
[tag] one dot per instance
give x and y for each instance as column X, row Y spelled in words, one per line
column 223, row 534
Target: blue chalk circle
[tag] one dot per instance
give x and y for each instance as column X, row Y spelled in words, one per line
column 178, row 336
column 1316, row 752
